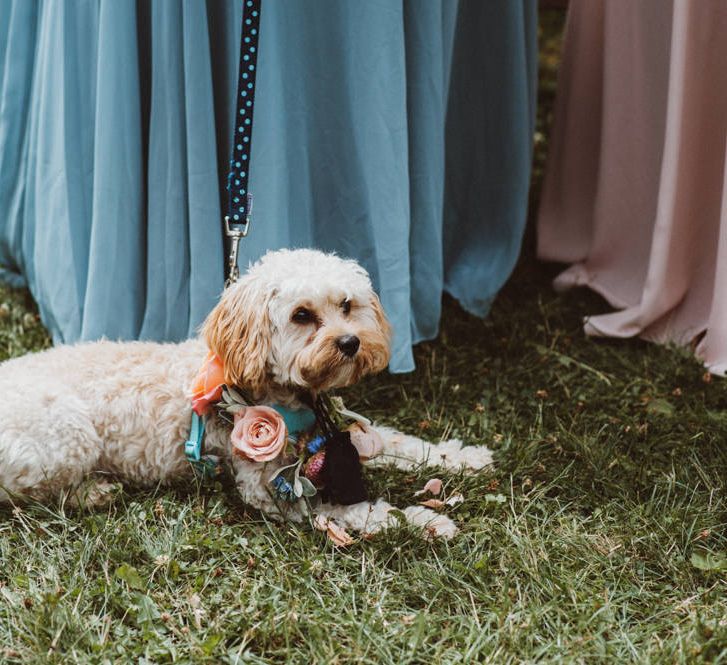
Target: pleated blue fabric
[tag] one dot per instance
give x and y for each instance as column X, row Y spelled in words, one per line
column 397, row 132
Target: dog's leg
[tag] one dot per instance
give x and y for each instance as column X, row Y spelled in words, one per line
column 252, row 481
column 48, row 451
column 409, row 452
column 93, row 493
column 368, row 518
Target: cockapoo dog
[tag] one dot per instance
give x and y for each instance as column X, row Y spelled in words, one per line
column 75, row 418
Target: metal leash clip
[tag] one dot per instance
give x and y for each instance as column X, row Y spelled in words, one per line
column 236, row 231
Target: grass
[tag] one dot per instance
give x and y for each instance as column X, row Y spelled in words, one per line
column 601, row 536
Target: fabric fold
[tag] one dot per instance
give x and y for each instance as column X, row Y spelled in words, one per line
column 634, row 189
column 115, row 131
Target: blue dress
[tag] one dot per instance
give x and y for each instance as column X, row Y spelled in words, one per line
column 397, row 132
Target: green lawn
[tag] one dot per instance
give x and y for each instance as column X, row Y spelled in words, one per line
column 601, row 536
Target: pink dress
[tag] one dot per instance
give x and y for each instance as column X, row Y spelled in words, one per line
column 635, row 192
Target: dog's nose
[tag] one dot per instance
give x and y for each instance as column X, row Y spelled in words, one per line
column 348, row 344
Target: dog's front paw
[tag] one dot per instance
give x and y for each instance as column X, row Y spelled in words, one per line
column 470, row 458
column 409, row 452
column 433, row 524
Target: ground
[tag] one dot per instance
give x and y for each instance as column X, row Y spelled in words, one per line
column 601, row 536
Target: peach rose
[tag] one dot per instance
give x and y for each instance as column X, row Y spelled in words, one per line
column 207, row 385
column 259, row 434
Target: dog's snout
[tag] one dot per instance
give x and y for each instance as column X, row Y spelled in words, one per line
column 348, row 344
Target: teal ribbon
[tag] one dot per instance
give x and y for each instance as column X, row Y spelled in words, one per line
column 297, row 421
column 205, row 466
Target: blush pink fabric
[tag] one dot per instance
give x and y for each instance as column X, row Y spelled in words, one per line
column 635, row 192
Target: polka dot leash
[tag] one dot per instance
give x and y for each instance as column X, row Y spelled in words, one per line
column 239, row 208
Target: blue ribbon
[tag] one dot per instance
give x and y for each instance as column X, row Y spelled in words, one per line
column 206, row 466
column 297, row 421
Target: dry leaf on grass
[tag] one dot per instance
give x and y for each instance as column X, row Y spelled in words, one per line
column 336, row 534
column 436, row 504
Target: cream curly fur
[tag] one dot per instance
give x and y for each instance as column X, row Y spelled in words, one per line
column 112, row 410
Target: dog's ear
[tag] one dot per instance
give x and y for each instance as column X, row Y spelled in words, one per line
column 238, row 331
column 383, row 332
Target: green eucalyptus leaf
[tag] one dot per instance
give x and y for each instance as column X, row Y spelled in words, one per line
column 357, row 417
column 281, row 469
column 309, row 488
column 237, row 397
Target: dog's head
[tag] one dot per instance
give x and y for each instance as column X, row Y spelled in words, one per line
column 299, row 319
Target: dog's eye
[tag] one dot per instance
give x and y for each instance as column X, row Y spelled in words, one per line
column 346, row 306
column 303, row 315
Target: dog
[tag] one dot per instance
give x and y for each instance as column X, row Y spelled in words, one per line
column 77, row 418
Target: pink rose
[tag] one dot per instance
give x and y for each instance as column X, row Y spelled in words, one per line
column 259, row 434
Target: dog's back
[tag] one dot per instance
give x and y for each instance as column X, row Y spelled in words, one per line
column 117, row 407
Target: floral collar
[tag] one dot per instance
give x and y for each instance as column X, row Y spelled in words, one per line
column 208, row 388
column 318, row 456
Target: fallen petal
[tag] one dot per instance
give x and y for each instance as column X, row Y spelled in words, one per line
column 433, row 486
column 454, row 500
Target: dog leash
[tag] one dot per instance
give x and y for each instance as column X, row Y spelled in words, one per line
column 346, row 486
column 239, row 202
